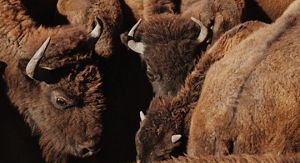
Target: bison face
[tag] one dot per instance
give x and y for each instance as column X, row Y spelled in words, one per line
column 158, row 136
column 59, row 94
column 169, row 45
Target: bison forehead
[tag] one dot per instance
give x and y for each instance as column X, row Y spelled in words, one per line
column 83, row 80
column 166, row 28
column 172, row 52
column 67, row 46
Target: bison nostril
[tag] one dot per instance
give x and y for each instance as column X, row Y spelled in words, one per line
column 85, row 151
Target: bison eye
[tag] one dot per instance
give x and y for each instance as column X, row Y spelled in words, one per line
column 59, row 100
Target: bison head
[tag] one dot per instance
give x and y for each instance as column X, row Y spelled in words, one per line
column 158, row 137
column 169, row 45
column 58, row 90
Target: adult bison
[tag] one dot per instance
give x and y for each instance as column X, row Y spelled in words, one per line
column 170, row 44
column 165, row 64
column 166, row 125
column 55, row 84
column 249, row 101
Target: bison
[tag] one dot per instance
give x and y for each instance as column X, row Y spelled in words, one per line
column 54, row 83
column 170, row 44
column 168, row 118
column 165, row 63
column 109, row 12
column 249, row 100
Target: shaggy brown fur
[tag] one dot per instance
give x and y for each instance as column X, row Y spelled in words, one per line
column 157, row 7
column 266, row 158
column 249, row 102
column 68, row 125
column 165, row 34
column 169, row 116
column 222, row 14
column 163, row 37
column 83, row 12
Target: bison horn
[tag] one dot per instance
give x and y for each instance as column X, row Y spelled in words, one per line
column 34, row 61
column 96, row 32
column 175, row 138
column 142, row 116
column 137, row 47
column 204, row 32
column 132, row 30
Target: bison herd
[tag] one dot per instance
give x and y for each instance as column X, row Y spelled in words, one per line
column 149, row 81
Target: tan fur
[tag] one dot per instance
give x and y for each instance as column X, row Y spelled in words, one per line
column 84, row 12
column 249, row 101
column 136, row 7
column 266, row 158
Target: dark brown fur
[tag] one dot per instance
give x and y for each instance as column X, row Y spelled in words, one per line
column 83, row 12
column 163, row 37
column 169, row 116
column 75, row 76
column 171, row 45
column 249, row 101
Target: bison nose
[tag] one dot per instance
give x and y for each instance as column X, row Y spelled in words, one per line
column 88, row 149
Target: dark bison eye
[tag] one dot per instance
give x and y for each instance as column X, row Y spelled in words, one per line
column 61, row 101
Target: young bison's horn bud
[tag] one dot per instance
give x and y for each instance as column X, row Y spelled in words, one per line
column 137, row 47
column 204, row 32
column 96, row 32
column 34, row 61
column 142, row 116
column 175, row 138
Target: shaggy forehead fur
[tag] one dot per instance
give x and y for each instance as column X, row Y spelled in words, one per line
column 165, row 28
column 66, row 47
column 171, row 48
